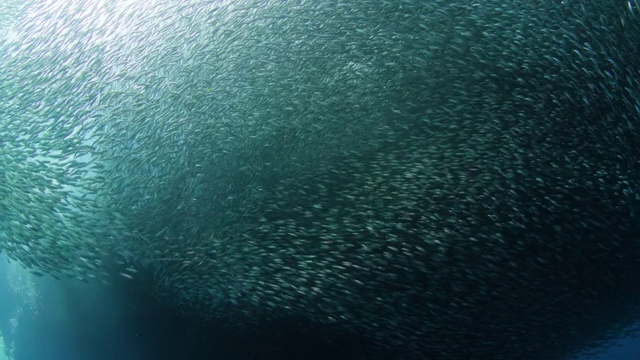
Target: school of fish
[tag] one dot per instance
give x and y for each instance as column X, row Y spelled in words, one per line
column 449, row 179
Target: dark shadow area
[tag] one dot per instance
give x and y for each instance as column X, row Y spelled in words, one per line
column 125, row 321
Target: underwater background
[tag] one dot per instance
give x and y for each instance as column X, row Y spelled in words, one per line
column 42, row 318
column 296, row 179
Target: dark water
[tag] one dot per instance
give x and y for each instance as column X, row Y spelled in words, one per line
column 69, row 320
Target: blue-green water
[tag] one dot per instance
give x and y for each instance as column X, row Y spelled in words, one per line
column 42, row 318
column 319, row 179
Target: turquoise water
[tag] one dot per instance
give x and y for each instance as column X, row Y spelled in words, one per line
column 318, row 179
column 42, row 318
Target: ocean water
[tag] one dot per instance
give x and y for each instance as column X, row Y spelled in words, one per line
column 43, row 318
column 626, row 348
column 267, row 179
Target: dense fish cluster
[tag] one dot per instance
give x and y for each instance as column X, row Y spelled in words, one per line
column 449, row 179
